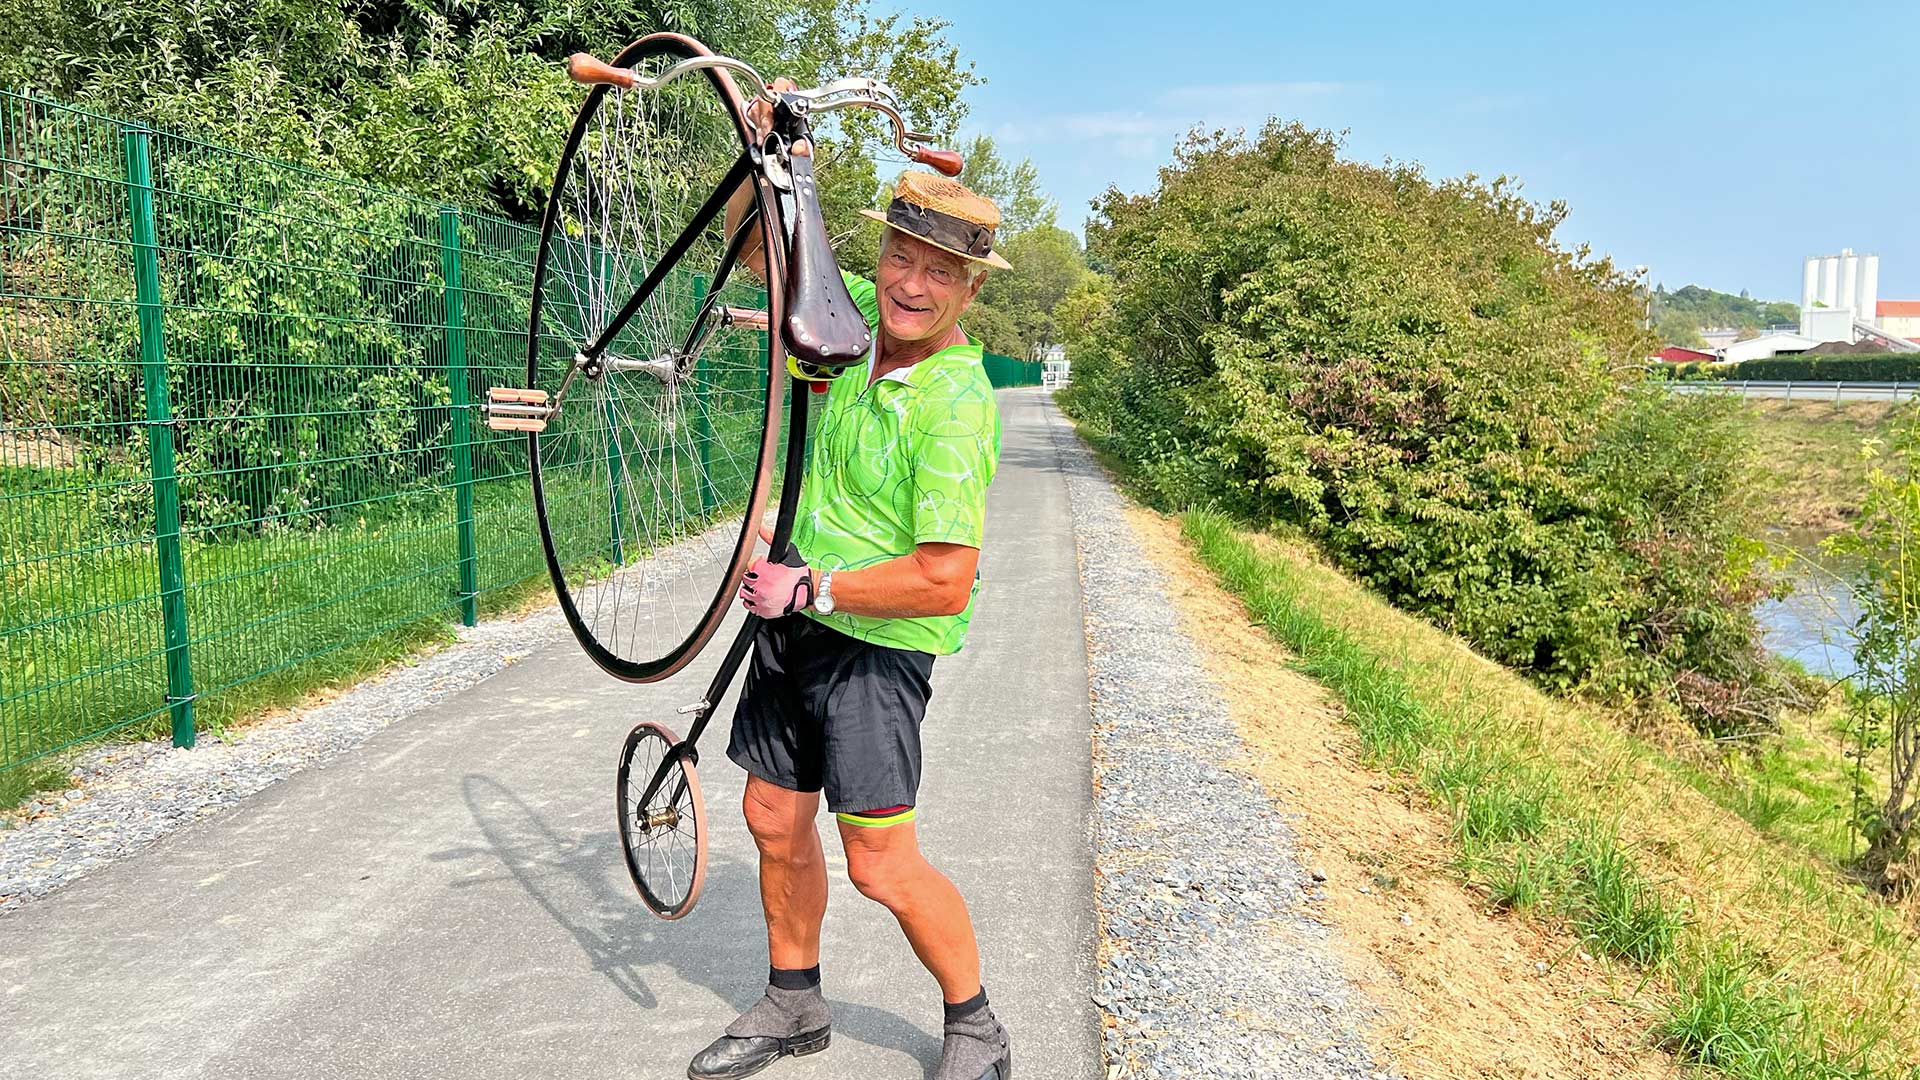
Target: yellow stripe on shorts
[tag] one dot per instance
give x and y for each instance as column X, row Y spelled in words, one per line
column 878, row 822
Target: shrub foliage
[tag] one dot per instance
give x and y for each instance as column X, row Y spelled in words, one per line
column 301, row 272
column 1415, row 373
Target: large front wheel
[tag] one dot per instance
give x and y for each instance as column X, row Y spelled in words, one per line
column 651, row 475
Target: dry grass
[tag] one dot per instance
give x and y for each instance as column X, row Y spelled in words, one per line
column 1856, row 959
column 1469, row 993
column 1810, row 452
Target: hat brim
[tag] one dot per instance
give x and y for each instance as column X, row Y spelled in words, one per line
column 991, row 258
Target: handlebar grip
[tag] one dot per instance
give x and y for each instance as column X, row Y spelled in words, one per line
column 947, row 162
column 585, row 68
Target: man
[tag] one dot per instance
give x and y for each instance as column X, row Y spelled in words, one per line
column 892, row 513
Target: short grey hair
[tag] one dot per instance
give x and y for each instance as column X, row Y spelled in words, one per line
column 975, row 269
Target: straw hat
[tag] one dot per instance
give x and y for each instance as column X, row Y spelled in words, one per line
column 946, row 214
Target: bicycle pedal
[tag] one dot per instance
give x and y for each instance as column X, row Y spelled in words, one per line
column 509, row 408
column 750, row 318
column 693, row 708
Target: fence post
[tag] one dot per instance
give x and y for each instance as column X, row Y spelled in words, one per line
column 160, row 425
column 459, row 411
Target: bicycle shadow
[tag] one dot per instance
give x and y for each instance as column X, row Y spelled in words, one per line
column 569, row 878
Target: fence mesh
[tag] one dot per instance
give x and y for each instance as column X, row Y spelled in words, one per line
column 239, row 445
column 237, row 431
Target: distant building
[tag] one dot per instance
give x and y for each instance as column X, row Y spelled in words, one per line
column 1846, row 280
column 1674, row 354
column 1840, row 304
column 1899, row 317
column 1766, row 345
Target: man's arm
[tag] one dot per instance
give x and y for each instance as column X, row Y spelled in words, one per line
column 753, row 255
column 932, row 579
column 759, row 118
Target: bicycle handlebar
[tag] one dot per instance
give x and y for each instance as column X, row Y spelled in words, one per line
column 854, row 93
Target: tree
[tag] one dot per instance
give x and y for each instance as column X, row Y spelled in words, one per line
column 1047, row 265
column 1883, row 545
column 1414, row 373
column 1694, row 307
column 1014, row 188
column 467, row 103
column 1678, row 328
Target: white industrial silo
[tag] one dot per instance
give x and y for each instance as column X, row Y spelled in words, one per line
column 1849, row 281
column 1868, row 311
column 1810, row 283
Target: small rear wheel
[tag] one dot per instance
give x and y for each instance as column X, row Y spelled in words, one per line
column 664, row 834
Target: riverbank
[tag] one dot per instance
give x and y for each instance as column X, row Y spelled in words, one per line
column 1736, row 947
column 1809, row 454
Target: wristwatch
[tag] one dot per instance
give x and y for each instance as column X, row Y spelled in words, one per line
column 823, row 600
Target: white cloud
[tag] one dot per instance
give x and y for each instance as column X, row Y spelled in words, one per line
column 1174, row 112
column 1079, row 127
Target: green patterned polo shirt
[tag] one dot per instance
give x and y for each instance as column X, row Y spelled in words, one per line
column 902, row 462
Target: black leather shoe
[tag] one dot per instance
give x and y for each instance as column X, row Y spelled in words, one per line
column 730, row 1058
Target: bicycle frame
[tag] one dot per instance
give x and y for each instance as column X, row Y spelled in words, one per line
column 814, row 291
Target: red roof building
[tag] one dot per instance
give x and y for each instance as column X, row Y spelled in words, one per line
column 1900, row 317
column 1674, row 354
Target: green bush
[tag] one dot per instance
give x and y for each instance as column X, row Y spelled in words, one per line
column 1847, row 367
column 1452, row 405
column 1689, row 372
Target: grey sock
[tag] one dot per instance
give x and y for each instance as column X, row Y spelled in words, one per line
column 782, row 1014
column 975, row 1042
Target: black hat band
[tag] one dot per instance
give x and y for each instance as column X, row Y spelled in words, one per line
column 943, row 229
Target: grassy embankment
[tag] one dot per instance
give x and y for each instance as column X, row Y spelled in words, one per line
column 1809, row 452
column 1757, row 959
column 274, row 618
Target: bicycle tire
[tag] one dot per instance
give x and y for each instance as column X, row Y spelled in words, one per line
column 648, row 487
column 664, row 839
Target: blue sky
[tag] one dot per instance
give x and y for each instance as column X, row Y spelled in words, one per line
column 1717, row 143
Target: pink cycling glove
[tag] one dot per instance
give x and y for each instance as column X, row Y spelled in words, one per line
column 773, row 589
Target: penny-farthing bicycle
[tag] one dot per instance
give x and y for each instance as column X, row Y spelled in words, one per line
column 655, row 380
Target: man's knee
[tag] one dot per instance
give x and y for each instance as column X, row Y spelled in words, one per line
column 781, row 821
column 882, row 858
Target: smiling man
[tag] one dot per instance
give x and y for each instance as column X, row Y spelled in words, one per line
column 881, row 582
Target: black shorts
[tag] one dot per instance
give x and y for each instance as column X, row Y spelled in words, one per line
column 824, row 710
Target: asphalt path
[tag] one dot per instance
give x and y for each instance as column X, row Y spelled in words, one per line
column 448, row 900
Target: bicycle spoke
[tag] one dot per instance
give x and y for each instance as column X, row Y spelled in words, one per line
column 656, row 454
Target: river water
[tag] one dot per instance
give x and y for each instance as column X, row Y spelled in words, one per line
column 1814, row 624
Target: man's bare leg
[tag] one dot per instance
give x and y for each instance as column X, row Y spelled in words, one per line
column 793, row 1018
column 886, row 866
column 793, row 870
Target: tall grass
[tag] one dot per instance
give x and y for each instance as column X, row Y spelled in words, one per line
column 1541, row 839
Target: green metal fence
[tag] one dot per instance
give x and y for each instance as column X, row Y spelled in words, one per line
column 1005, row 371
column 239, row 446
column 238, row 442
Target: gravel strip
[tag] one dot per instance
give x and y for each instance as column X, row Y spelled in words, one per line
column 1210, row 962
column 132, row 794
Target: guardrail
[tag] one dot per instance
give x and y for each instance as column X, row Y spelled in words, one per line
column 1800, row 391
